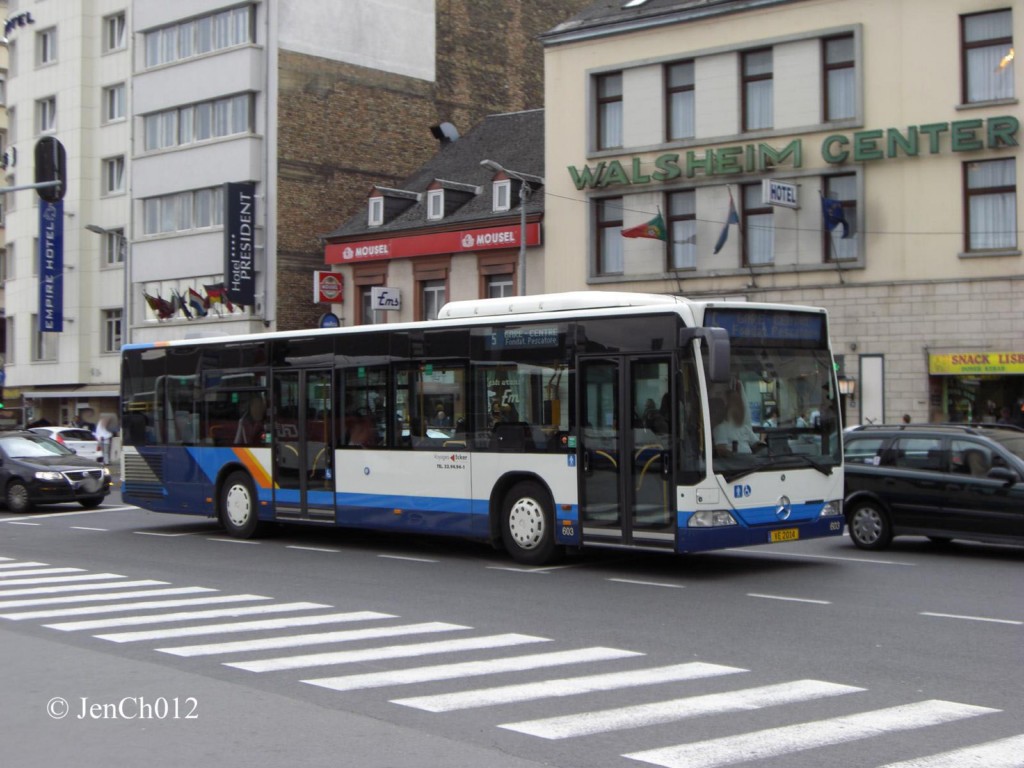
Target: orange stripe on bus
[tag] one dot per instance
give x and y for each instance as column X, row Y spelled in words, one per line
column 256, row 469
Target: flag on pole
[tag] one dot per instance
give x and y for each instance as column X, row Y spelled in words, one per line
column 217, row 294
column 160, row 306
column 731, row 218
column 198, row 303
column 653, row 229
column 179, row 303
column 833, row 214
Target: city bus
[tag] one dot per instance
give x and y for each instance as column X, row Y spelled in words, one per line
column 537, row 423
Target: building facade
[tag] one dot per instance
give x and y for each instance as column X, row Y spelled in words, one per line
column 455, row 229
column 860, row 156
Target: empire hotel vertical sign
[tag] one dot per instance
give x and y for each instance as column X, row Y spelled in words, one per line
column 240, row 242
column 51, row 266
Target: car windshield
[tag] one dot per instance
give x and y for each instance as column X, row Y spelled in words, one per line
column 778, row 411
column 31, row 447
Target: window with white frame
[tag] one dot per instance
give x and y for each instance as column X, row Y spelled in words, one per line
column 114, row 103
column 195, row 37
column 111, row 322
column 432, row 298
column 46, row 46
column 679, row 100
column 115, row 36
column 840, row 77
column 44, row 344
column 758, row 110
column 183, row 211
column 842, row 187
column 500, row 286
column 501, row 195
column 46, row 115
column 375, row 213
column 114, row 246
column 758, row 223
column 609, row 110
column 986, row 42
column 991, row 206
column 608, row 221
column 193, row 123
column 435, row 204
column 682, row 229
column 113, row 175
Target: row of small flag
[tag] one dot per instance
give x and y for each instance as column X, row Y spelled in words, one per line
column 831, row 211
column 191, row 304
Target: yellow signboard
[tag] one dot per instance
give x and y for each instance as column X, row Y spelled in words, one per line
column 974, row 363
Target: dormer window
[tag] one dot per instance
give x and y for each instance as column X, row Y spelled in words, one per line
column 501, row 194
column 375, row 213
column 435, row 204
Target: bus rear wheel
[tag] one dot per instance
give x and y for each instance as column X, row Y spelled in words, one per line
column 527, row 524
column 239, row 512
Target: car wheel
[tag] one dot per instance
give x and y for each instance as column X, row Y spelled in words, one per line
column 527, row 525
column 91, row 503
column 238, row 506
column 869, row 526
column 17, row 497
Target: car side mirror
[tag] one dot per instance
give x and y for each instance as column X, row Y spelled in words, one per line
column 1005, row 475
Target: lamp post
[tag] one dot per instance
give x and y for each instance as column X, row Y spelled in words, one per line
column 525, row 191
column 122, row 247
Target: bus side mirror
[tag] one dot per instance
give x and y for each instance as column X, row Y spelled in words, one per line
column 717, row 342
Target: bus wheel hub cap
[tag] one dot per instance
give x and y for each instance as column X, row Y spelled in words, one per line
column 526, row 523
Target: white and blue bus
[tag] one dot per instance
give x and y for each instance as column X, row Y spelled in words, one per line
column 538, row 423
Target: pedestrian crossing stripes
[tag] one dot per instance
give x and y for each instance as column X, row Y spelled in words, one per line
column 775, row 742
column 573, row 686
column 234, row 627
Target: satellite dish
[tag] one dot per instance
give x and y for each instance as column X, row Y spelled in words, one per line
column 446, row 133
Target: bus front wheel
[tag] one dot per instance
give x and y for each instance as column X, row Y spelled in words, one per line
column 238, row 506
column 527, row 527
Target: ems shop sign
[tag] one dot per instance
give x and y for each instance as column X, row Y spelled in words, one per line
column 240, row 242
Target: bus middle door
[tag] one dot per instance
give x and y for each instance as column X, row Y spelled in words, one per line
column 303, row 445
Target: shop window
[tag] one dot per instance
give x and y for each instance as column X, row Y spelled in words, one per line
column 609, row 110
column 679, row 100
column 608, row 219
column 991, row 204
column 431, row 287
column 498, row 274
column 758, row 109
column 758, row 223
column 364, row 278
column 499, row 286
column 986, row 42
column 839, row 77
column 844, row 189
column 682, row 229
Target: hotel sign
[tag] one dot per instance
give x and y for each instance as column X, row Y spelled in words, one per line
column 51, row 266
column 464, row 241
column 779, row 193
column 836, row 149
column 975, row 363
column 240, row 242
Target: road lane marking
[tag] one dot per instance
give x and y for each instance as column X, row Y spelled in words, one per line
column 468, row 669
column 788, row 599
column 87, row 528
column 868, row 560
column 314, row 638
column 5, row 559
column 1004, row 753
column 312, row 549
column 245, row 626
column 163, row 618
column 63, row 579
column 569, row 686
column 158, row 533
column 513, row 569
column 641, row 583
column 642, row 715
column 80, row 587
column 30, row 571
column 972, row 618
column 386, row 652
column 408, row 559
column 66, row 514
column 784, row 740
column 39, row 601
column 230, row 540
column 98, row 609
column 20, row 522
column 32, row 564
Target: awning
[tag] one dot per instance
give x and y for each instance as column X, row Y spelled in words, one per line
column 84, row 391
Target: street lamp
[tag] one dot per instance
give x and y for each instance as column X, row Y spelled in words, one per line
column 122, row 247
column 525, row 191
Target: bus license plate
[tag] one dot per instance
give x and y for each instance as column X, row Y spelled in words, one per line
column 786, row 534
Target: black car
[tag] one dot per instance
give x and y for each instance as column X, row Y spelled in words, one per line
column 940, row 481
column 37, row 470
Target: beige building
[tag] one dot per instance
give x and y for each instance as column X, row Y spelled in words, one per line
column 895, row 123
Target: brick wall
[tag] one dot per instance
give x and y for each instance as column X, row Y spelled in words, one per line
column 343, row 128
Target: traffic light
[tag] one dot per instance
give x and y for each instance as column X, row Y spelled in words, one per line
column 51, row 165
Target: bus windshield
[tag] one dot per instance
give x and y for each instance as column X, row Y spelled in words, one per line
column 779, row 409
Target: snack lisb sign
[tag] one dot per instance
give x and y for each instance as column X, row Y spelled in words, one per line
column 967, row 363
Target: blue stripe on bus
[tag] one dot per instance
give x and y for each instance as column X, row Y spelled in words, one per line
column 411, row 503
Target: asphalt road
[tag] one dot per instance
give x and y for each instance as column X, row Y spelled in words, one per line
column 171, row 644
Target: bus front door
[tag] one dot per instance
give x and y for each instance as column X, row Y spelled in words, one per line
column 626, row 493
column 303, row 453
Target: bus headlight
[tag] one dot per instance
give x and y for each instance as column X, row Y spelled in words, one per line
column 832, row 508
column 51, row 476
column 711, row 518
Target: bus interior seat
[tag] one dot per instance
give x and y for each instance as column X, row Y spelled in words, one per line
column 512, row 437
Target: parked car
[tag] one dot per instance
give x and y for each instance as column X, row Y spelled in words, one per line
column 81, row 441
column 940, row 481
column 37, row 470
